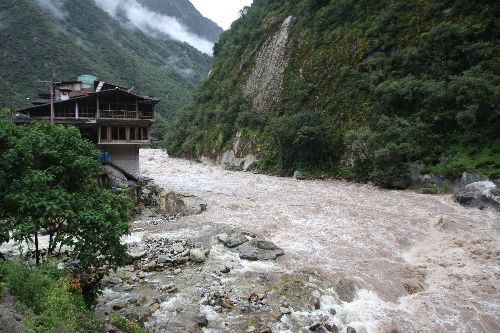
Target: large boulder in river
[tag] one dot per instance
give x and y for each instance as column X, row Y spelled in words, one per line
column 233, row 240
column 179, row 204
column 256, row 249
column 482, row 195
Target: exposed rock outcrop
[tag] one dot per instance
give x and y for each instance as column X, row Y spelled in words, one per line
column 481, row 194
column 264, row 85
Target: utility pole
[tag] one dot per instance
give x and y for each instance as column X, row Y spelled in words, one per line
column 51, row 85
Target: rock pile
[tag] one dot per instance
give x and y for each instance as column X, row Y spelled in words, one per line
column 160, row 253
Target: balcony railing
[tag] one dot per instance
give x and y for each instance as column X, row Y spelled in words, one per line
column 125, row 114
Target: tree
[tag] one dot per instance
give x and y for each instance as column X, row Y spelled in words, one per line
column 48, row 182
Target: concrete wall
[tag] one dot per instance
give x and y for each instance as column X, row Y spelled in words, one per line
column 124, row 156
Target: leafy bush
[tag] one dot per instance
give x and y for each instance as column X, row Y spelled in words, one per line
column 52, row 305
column 126, row 325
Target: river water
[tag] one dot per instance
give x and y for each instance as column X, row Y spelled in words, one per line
column 418, row 263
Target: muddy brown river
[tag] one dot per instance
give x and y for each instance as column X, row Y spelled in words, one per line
column 418, row 263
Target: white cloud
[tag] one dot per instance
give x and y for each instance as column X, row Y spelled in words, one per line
column 154, row 23
column 222, row 12
column 55, row 7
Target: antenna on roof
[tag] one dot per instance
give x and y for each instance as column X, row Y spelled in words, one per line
column 133, row 87
column 52, row 84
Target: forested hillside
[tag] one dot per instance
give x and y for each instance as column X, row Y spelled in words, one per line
column 357, row 89
column 77, row 37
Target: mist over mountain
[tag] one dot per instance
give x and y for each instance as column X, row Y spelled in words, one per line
column 188, row 15
column 173, row 20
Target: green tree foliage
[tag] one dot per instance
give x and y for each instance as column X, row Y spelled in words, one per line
column 48, row 182
column 371, row 88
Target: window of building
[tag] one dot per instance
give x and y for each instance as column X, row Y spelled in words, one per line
column 104, row 134
column 118, row 134
column 133, row 133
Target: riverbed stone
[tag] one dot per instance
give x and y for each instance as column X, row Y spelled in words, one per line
column 197, row 255
column 178, row 247
column 345, row 289
column 233, row 239
column 256, row 249
column 482, row 195
column 136, row 255
column 178, row 204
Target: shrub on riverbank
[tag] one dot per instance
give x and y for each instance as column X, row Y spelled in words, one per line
column 48, row 296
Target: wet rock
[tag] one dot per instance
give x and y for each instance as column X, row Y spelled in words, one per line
column 177, row 204
column 197, row 255
column 118, row 304
column 350, row 330
column 469, row 178
column 482, row 195
column 155, row 306
column 314, row 327
column 170, row 288
column 141, row 275
column 226, row 270
column 259, row 250
column 136, row 255
column 201, row 321
column 285, row 310
column 233, row 240
column 149, row 267
column 162, row 259
column 345, row 289
column 178, row 247
column 114, row 280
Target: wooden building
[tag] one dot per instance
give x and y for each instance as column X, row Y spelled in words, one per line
column 112, row 117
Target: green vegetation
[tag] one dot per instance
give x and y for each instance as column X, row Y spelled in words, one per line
column 371, row 88
column 50, row 298
column 126, row 325
column 87, row 40
column 48, row 183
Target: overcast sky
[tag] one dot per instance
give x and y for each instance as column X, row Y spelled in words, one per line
column 222, row 12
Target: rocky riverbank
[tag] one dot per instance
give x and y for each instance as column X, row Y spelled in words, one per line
column 229, row 284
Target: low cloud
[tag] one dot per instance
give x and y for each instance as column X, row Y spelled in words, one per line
column 54, row 7
column 154, row 23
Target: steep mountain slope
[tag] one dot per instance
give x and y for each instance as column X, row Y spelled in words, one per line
column 77, row 37
column 358, row 89
column 188, row 15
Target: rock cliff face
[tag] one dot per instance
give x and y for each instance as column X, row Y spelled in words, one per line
column 265, row 84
